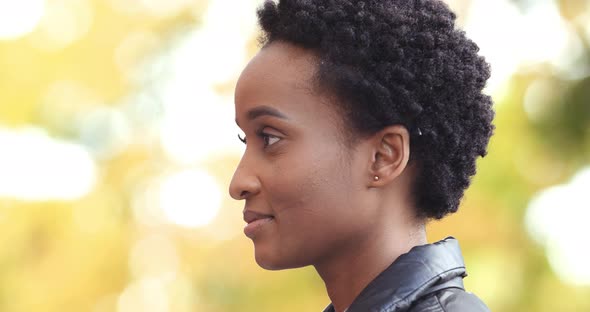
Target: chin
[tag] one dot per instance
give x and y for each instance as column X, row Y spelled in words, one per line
column 269, row 263
column 274, row 262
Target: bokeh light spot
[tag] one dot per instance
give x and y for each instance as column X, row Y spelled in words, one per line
column 146, row 295
column 557, row 219
column 190, row 198
column 19, row 18
column 36, row 167
column 63, row 23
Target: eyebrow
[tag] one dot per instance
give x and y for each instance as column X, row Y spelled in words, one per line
column 263, row 110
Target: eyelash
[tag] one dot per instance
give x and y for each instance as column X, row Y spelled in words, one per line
column 260, row 134
column 242, row 139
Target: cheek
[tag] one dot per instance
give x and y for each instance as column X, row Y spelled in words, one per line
column 311, row 186
column 316, row 212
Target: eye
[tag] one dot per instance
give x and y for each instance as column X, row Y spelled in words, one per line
column 269, row 139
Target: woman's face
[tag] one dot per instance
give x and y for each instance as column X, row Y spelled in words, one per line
column 298, row 178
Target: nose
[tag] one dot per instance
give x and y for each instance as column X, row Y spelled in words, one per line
column 244, row 183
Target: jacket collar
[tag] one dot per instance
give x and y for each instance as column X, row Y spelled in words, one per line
column 417, row 273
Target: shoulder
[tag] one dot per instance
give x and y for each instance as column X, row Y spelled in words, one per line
column 450, row 300
column 458, row 300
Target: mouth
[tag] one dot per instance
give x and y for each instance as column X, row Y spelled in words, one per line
column 252, row 216
column 255, row 222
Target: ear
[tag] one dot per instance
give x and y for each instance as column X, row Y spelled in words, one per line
column 391, row 153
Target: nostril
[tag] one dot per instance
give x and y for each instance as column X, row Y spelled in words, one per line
column 244, row 194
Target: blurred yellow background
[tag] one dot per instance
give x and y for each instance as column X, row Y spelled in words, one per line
column 117, row 144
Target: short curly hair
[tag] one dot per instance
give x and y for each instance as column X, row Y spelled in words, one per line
column 398, row 62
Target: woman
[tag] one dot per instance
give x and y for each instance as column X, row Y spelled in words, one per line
column 363, row 120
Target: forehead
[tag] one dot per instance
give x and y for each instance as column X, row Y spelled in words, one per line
column 278, row 69
column 282, row 76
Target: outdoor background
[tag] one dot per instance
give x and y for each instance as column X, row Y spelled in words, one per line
column 117, row 145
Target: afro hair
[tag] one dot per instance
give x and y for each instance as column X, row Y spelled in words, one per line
column 400, row 62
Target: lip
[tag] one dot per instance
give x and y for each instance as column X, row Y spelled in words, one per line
column 255, row 221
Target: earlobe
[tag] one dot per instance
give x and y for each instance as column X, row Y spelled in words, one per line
column 391, row 154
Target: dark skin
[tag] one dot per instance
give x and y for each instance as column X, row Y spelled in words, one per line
column 315, row 194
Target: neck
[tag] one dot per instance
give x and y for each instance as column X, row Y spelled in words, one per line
column 348, row 272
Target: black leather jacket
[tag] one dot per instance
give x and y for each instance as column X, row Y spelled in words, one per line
column 428, row 278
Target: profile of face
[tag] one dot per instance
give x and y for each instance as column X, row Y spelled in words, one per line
column 304, row 188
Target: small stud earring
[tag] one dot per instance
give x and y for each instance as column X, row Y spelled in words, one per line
column 376, row 178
